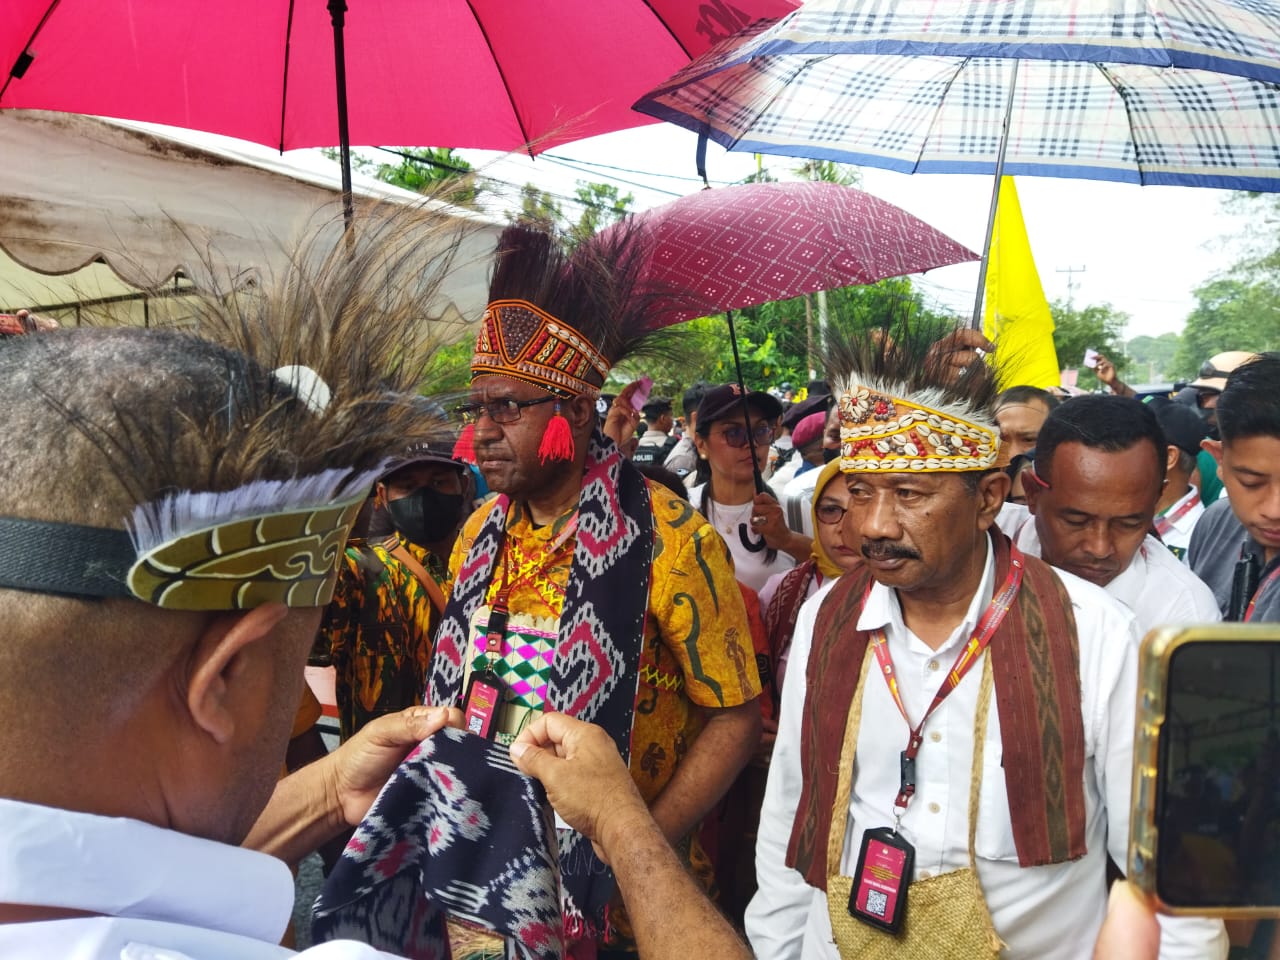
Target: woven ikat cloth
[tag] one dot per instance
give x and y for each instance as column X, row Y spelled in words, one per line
column 1125, row 122
column 457, row 831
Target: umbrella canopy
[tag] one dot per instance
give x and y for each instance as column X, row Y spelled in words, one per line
column 1240, row 37
column 464, row 73
column 937, row 114
column 749, row 244
column 98, row 210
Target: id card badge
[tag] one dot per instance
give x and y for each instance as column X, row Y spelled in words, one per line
column 480, row 708
column 879, row 895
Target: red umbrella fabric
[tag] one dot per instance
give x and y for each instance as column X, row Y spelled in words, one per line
column 460, row 73
column 743, row 245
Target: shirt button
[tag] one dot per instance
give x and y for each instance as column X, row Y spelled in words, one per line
column 936, row 737
column 933, row 664
column 934, row 808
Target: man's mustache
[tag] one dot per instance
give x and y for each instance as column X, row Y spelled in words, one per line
column 888, row 550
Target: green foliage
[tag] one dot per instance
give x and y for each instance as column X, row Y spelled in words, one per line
column 1100, row 326
column 1240, row 311
column 601, row 205
column 827, row 171
column 1152, row 357
column 422, row 170
column 449, row 370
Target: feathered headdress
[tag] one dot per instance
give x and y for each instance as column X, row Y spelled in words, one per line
column 242, row 453
column 904, row 407
column 560, row 318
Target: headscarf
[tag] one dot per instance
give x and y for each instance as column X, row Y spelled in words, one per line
column 826, row 565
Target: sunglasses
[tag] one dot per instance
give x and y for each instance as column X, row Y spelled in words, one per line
column 736, row 435
column 1209, row 372
column 499, row 411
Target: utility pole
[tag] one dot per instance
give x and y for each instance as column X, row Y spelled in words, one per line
column 1071, row 284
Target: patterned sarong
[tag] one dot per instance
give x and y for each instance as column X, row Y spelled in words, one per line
column 596, row 666
column 457, row 831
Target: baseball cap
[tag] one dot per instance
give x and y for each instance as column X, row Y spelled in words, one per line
column 1181, row 425
column 725, row 400
column 440, row 451
column 1215, row 370
column 798, row 411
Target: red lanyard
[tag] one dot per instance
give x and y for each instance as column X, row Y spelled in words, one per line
column 1271, row 577
column 987, row 626
column 1164, row 523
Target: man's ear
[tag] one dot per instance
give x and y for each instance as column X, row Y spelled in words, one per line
column 1032, row 487
column 992, row 491
column 380, row 494
column 1214, row 449
column 580, row 411
column 221, row 665
column 1171, row 459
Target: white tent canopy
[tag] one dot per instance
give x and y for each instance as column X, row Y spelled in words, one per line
column 95, row 210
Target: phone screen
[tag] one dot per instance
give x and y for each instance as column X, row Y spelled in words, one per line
column 1218, row 797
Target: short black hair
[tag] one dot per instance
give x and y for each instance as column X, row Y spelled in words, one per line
column 656, row 407
column 1026, row 395
column 693, row 396
column 1107, row 423
column 1249, row 405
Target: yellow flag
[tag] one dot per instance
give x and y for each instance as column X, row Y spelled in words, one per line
column 1017, row 317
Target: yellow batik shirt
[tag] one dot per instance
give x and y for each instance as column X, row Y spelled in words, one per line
column 697, row 642
column 379, row 628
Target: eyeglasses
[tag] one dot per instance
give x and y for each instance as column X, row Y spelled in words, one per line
column 499, row 411
column 1209, row 372
column 830, row 512
column 736, row 435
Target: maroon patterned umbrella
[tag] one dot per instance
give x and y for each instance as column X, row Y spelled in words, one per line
column 743, row 245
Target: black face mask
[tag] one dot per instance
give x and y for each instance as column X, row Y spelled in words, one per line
column 828, row 454
column 426, row 515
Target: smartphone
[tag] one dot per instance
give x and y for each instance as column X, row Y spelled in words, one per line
column 1090, row 357
column 641, row 395
column 1205, row 826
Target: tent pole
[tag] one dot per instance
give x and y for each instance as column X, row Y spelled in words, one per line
column 338, row 14
column 995, row 198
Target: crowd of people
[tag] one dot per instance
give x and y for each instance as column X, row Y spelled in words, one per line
column 806, row 661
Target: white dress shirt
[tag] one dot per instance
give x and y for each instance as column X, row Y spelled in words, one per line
column 1180, row 531
column 1157, row 586
column 1043, row 913
column 163, row 895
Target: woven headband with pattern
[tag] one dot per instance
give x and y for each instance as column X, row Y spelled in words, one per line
column 881, row 433
column 519, row 340
column 288, row 557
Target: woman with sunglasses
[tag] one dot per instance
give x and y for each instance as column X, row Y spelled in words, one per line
column 724, row 491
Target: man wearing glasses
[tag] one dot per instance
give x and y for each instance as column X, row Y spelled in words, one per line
column 581, row 588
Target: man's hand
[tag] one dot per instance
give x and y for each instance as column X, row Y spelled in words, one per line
column 956, row 352
column 359, row 768
column 1105, row 371
column 585, row 778
column 622, row 419
column 767, row 521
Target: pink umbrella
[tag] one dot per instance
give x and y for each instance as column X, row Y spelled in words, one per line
column 499, row 74
column 744, row 245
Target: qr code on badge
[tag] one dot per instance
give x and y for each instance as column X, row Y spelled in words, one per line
column 877, row 903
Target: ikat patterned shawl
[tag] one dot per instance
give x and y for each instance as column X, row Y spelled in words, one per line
column 596, row 667
column 457, row 831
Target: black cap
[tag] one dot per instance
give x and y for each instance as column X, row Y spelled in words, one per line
column 726, row 400
column 436, row 452
column 798, row 411
column 1181, row 425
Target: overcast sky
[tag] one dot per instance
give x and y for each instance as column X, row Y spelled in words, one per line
column 1141, row 249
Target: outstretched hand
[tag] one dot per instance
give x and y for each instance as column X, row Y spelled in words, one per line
column 584, row 776
column 360, row 768
column 622, row 419
column 956, row 352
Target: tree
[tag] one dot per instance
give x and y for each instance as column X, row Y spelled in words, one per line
column 422, row 170
column 601, row 205
column 1099, row 326
column 1153, row 357
column 1239, row 311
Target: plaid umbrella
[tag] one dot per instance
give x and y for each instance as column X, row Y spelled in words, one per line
column 933, row 114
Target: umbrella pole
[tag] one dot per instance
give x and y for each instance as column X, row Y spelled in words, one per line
column 742, row 395
column 338, row 14
column 995, row 198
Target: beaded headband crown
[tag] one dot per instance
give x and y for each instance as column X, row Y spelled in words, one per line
column 881, row 431
column 518, row 339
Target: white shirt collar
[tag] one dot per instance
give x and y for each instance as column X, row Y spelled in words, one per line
column 126, row 868
column 883, row 611
column 1126, row 586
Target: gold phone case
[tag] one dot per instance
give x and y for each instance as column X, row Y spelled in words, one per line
column 1157, row 649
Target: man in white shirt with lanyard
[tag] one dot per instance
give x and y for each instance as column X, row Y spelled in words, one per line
column 1099, row 470
column 992, row 725
column 1179, row 508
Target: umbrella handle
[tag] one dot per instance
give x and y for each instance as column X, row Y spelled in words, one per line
column 744, row 537
column 742, row 396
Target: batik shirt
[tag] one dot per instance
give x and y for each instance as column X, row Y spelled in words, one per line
column 697, row 642
column 379, row 628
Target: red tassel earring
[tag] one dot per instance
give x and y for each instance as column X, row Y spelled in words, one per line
column 557, row 441
column 465, row 449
